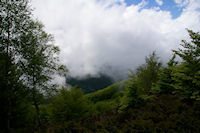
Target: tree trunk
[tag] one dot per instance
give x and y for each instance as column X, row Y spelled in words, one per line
column 35, row 101
column 9, row 115
column 38, row 114
column 7, row 78
column 8, row 91
column 36, row 106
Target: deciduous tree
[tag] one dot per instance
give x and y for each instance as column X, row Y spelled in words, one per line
column 14, row 17
column 39, row 63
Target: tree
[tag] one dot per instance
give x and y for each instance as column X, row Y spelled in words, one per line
column 134, row 96
column 140, row 83
column 165, row 83
column 68, row 105
column 14, row 16
column 39, row 64
column 28, row 55
column 187, row 74
column 147, row 74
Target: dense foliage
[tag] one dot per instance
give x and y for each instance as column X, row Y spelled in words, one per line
column 164, row 113
column 155, row 98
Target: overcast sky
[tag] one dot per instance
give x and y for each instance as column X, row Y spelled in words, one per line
column 97, row 35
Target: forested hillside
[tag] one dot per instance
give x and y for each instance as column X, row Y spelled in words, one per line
column 90, row 83
column 156, row 97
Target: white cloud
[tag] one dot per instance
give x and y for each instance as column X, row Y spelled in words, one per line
column 182, row 3
column 159, row 2
column 93, row 34
column 178, row 1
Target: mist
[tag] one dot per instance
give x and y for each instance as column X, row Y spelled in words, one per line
column 111, row 37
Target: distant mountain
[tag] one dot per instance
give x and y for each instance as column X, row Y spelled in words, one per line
column 90, row 83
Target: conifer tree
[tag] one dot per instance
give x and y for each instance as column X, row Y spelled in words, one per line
column 165, row 83
column 147, row 74
column 187, row 74
column 140, row 82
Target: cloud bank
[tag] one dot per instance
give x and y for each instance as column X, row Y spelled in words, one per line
column 109, row 36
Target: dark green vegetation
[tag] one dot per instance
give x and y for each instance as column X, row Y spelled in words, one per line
column 90, row 84
column 155, row 98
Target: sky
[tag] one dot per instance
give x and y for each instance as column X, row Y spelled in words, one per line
column 174, row 6
column 114, row 36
